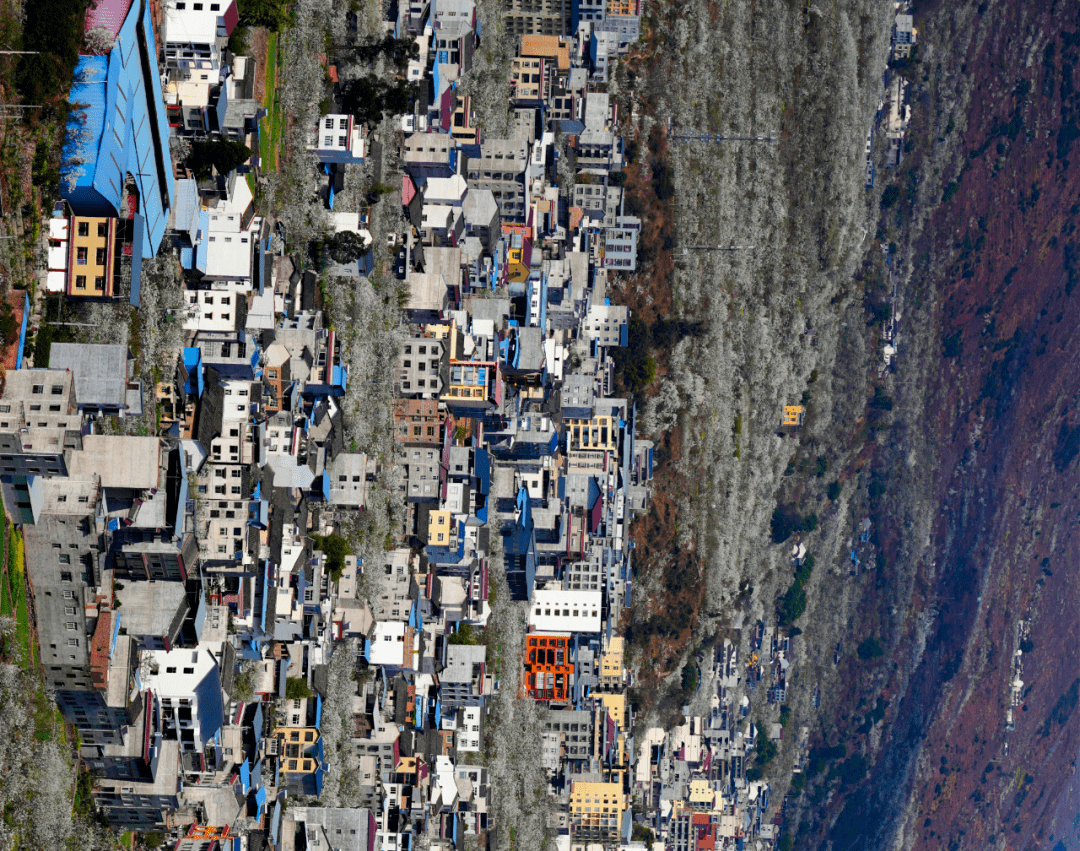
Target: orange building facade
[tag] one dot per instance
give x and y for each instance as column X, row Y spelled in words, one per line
column 549, row 668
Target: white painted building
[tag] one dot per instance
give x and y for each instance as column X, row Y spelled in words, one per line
column 188, row 684
column 556, row 610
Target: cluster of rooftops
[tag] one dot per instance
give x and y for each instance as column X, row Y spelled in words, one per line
column 188, row 592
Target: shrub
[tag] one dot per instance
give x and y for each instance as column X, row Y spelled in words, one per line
column 465, row 634
column 889, row 197
column 833, row 491
column 296, row 688
column 1026, row 645
column 689, row 679
column 870, row 648
column 822, row 466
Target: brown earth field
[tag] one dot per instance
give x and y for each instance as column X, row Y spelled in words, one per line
column 999, row 261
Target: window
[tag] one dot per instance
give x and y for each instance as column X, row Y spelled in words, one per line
column 99, row 282
column 80, row 282
column 57, row 390
column 215, row 7
column 84, row 228
column 62, row 498
column 81, row 254
column 38, row 389
column 197, row 7
column 181, row 6
column 99, row 257
column 84, row 499
column 102, row 229
column 65, row 558
column 73, row 642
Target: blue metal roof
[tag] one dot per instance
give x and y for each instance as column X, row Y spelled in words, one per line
column 119, row 130
column 186, row 207
column 211, row 711
column 136, row 258
column 202, row 241
column 22, row 332
column 182, row 497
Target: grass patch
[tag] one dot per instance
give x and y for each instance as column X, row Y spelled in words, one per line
column 270, row 134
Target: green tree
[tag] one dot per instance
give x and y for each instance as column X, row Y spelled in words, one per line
column 273, row 14
column 870, row 648
column 296, row 688
column 221, row 154
column 793, row 604
column 766, row 750
column 833, row 491
column 785, row 522
column 335, row 548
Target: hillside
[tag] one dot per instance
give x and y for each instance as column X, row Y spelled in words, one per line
column 960, row 459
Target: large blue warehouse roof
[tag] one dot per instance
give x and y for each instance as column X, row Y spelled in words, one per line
column 117, row 129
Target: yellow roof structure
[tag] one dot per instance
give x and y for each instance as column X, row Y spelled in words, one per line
column 793, row 415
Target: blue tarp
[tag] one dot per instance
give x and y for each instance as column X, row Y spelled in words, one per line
column 245, row 776
column 193, row 364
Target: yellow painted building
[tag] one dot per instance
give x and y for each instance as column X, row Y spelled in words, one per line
column 624, row 7
column 595, row 810
column 611, row 664
column 91, row 256
column 599, row 432
column 293, row 746
column 439, row 524
column 527, row 78
column 702, row 796
column 793, row 415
